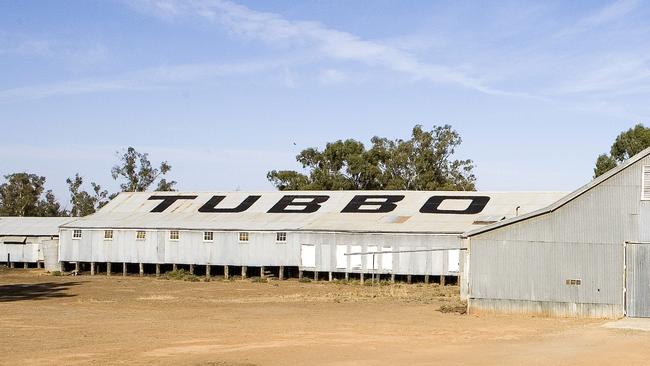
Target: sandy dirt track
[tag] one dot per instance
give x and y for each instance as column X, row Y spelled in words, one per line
column 83, row 320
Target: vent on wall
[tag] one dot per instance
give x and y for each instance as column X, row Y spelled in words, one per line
column 645, row 183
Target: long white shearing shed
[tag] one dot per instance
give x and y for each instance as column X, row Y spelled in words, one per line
column 307, row 230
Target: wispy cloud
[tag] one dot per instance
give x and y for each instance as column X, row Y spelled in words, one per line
column 74, row 54
column 331, row 43
column 537, row 72
column 617, row 75
column 332, row 76
column 146, row 79
column 608, row 14
column 609, row 54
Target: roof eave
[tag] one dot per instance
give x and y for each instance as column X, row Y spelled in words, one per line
column 564, row 200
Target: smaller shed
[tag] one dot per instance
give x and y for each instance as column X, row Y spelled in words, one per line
column 26, row 239
column 584, row 255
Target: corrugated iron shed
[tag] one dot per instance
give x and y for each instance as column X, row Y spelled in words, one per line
column 134, row 211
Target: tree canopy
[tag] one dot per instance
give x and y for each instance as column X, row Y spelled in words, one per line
column 138, row 174
column 626, row 145
column 84, row 203
column 423, row 162
column 24, row 194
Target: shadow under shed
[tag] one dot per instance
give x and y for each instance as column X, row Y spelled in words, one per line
column 35, row 291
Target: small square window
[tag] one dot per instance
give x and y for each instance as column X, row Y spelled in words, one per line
column 174, row 235
column 108, row 234
column 208, row 236
column 76, row 234
column 243, row 237
column 281, row 237
column 140, row 235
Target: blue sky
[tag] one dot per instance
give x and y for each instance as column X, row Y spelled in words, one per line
column 223, row 90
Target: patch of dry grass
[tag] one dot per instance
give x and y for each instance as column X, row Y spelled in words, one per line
column 454, row 306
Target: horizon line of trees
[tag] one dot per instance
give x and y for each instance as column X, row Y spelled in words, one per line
column 425, row 161
column 24, row 194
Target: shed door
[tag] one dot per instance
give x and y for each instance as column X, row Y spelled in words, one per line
column 308, row 255
column 637, row 258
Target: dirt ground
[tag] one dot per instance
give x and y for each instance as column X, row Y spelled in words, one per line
column 83, row 320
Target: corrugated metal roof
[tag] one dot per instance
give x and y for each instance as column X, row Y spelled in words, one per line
column 133, row 210
column 564, row 200
column 32, row 226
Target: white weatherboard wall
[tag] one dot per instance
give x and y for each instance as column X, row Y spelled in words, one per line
column 225, row 249
column 29, row 252
column 308, row 250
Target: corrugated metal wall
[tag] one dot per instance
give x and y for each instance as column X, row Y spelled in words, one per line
column 29, row 252
column 531, row 261
column 263, row 250
column 638, row 280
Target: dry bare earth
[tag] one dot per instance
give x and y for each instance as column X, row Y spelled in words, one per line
column 46, row 320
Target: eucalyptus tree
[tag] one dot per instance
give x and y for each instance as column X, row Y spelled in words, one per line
column 423, row 162
column 24, row 194
column 627, row 144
